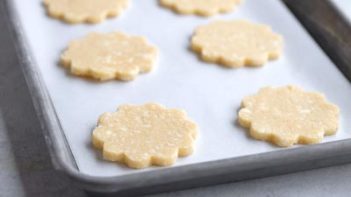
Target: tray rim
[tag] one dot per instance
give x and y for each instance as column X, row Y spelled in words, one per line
column 283, row 161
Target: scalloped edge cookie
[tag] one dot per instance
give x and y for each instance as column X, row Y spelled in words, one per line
column 205, row 12
column 236, row 43
column 90, row 56
column 140, row 136
column 288, row 115
column 93, row 18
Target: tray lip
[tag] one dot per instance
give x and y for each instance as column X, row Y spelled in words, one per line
column 65, row 164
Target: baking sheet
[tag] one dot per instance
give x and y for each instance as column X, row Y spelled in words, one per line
column 210, row 94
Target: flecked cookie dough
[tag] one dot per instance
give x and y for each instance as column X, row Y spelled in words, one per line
column 105, row 56
column 91, row 11
column 236, row 43
column 145, row 135
column 288, row 115
column 200, row 7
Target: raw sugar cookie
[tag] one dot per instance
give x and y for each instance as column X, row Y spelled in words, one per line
column 236, row 43
column 200, row 7
column 91, row 11
column 105, row 56
column 288, row 115
column 145, row 135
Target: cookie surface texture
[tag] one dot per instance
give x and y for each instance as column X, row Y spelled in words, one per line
column 236, row 43
column 200, row 7
column 105, row 56
column 90, row 11
column 288, row 115
column 145, row 135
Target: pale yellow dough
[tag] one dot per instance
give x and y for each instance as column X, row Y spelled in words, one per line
column 201, row 7
column 145, row 135
column 105, row 56
column 236, row 43
column 91, row 11
column 288, row 115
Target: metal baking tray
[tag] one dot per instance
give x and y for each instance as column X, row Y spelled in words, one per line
column 223, row 154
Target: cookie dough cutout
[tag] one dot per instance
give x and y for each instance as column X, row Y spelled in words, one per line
column 288, row 115
column 145, row 135
column 105, row 56
column 90, row 11
column 200, row 7
column 236, row 43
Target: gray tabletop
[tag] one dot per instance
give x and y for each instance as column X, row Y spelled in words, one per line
column 26, row 170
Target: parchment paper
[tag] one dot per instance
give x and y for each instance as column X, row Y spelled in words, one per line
column 209, row 93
